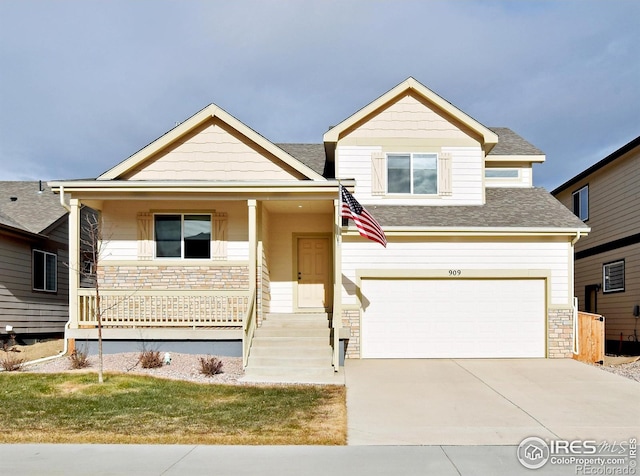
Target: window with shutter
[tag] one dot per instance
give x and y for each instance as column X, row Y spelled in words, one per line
column 444, row 177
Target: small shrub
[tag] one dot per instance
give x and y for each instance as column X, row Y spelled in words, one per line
column 10, row 362
column 150, row 359
column 79, row 359
column 210, row 366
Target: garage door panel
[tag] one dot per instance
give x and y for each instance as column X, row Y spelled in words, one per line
column 420, row 318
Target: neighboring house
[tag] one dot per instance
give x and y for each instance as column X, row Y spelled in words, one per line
column 607, row 271
column 215, row 232
column 34, row 289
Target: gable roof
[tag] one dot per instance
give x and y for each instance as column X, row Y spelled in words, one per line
column 504, row 208
column 209, row 112
column 35, row 209
column 597, row 166
column 489, row 138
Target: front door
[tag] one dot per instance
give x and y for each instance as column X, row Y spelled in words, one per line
column 314, row 272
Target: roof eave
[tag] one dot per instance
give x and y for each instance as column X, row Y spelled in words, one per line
column 477, row 231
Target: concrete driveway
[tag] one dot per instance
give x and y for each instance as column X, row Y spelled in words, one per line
column 486, row 402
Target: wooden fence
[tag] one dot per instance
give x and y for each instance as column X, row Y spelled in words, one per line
column 589, row 345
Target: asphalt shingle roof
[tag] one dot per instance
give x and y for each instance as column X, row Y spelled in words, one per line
column 32, row 211
column 510, row 143
column 311, row 155
column 504, row 208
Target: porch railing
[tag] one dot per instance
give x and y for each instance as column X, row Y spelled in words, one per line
column 150, row 308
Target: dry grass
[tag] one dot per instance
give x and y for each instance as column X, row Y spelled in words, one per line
column 63, row 408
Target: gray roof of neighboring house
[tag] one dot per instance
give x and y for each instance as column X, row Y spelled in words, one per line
column 629, row 146
column 504, row 207
column 313, row 155
column 32, row 211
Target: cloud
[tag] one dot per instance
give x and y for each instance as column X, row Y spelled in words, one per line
column 85, row 84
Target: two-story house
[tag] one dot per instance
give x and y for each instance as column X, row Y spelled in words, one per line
column 224, row 241
column 607, row 270
column 34, row 299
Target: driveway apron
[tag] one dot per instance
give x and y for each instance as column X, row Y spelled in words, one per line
column 486, row 402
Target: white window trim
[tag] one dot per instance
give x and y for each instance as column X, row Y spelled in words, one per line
column 578, row 193
column 605, row 278
column 55, row 274
column 411, row 194
column 181, row 257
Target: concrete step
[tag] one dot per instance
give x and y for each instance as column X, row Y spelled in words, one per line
column 288, row 374
column 291, row 352
column 323, row 362
column 292, row 332
column 308, row 316
column 300, row 342
column 295, row 323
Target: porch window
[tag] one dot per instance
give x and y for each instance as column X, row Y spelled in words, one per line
column 613, row 276
column 45, row 271
column 415, row 174
column 183, row 236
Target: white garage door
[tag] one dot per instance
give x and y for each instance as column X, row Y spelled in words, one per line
column 430, row 318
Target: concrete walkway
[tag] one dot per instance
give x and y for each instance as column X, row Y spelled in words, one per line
column 486, row 402
column 180, row 460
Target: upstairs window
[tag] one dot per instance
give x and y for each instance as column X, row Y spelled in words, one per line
column 613, row 276
column 45, row 271
column 581, row 203
column 501, row 173
column 415, row 174
column 183, row 236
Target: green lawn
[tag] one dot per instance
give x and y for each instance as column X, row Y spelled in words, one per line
column 74, row 408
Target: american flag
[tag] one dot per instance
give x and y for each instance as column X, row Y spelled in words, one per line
column 367, row 226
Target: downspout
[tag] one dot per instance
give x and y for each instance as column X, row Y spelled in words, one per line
column 576, row 343
column 62, row 201
column 64, row 351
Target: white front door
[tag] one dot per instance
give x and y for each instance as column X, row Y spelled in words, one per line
column 314, row 272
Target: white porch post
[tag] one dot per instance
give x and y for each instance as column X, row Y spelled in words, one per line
column 74, row 261
column 253, row 242
column 337, row 282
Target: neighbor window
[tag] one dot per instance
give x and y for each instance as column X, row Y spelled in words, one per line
column 412, row 173
column 183, row 236
column 45, row 271
column 613, row 276
column 581, row 203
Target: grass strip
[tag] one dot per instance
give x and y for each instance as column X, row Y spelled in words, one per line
column 74, row 408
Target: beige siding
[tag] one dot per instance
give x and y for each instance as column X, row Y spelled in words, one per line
column 408, row 118
column 466, row 175
column 498, row 256
column 525, row 179
column 214, row 152
column 617, row 307
column 281, row 230
column 614, row 213
column 120, row 225
column 29, row 311
column 614, row 201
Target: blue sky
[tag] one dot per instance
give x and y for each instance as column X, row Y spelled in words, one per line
column 85, row 84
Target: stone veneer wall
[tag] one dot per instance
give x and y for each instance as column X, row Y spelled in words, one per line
column 201, row 278
column 351, row 318
column 560, row 334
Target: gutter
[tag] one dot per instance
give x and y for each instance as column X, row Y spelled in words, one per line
column 575, row 240
column 62, row 200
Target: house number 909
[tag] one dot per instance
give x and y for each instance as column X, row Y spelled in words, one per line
column 455, row 272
